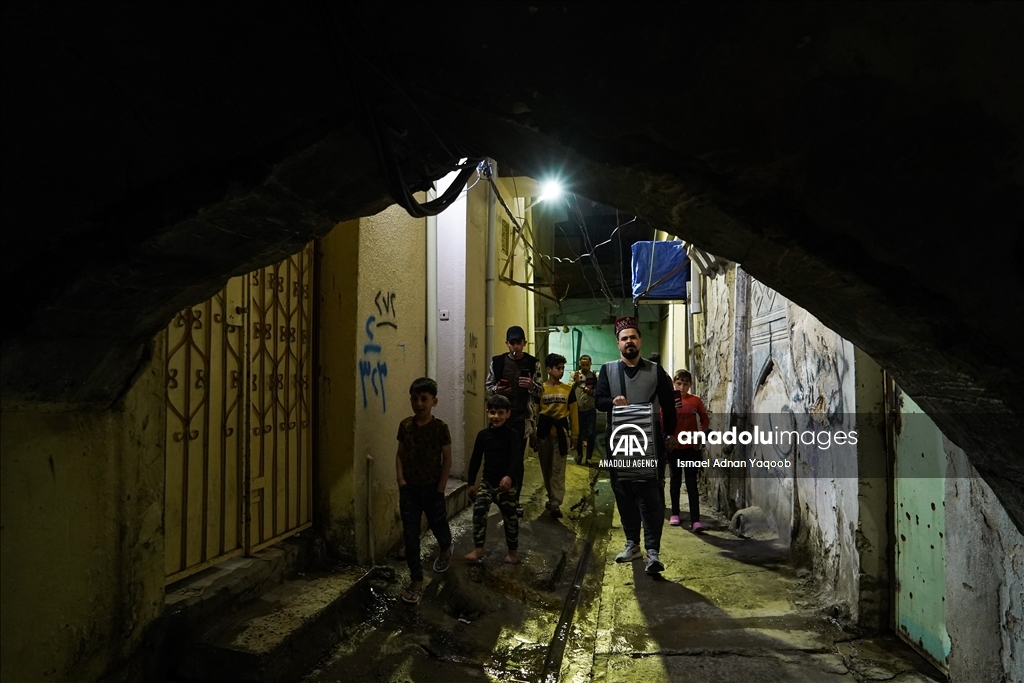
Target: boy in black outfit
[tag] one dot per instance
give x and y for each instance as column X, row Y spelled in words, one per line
column 501, row 450
column 422, row 464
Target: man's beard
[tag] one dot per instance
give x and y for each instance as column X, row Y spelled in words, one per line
column 630, row 352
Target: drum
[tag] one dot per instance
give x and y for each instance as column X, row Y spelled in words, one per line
column 632, row 446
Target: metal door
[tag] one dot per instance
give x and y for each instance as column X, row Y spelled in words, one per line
column 280, row 366
column 239, row 419
column 919, row 516
column 205, row 441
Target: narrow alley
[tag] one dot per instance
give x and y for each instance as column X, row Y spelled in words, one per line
column 546, row 342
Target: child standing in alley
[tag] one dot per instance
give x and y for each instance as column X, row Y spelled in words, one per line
column 423, row 462
column 499, row 448
column 557, row 427
column 691, row 416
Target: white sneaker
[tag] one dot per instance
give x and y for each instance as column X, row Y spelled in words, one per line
column 654, row 565
column 629, row 553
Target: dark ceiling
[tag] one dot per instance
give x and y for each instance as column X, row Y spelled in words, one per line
column 864, row 159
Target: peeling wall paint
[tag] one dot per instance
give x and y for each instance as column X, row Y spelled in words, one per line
column 984, row 578
column 712, row 372
column 825, row 504
column 800, row 373
column 834, row 518
column 713, row 347
column 871, row 535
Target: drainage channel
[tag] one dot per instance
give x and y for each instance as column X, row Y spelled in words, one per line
column 556, row 650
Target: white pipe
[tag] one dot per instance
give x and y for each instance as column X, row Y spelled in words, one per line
column 693, row 303
column 741, row 336
column 694, row 289
column 688, row 321
column 369, row 506
column 740, row 385
column 492, row 257
column 432, row 311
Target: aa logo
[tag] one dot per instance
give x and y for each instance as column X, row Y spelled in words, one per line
column 626, row 441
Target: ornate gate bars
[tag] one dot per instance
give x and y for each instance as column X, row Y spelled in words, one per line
column 239, row 419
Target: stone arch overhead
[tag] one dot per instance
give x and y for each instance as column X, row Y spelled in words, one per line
column 862, row 159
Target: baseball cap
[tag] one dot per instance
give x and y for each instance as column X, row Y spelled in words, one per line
column 515, row 333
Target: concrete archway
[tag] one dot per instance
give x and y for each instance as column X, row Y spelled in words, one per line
column 862, row 159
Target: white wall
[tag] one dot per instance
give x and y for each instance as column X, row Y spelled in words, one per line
column 451, row 333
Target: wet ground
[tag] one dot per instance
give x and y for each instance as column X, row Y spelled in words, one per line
column 725, row 609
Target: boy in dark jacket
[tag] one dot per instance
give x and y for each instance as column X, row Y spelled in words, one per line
column 499, row 448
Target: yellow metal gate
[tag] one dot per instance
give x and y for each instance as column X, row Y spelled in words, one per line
column 239, row 464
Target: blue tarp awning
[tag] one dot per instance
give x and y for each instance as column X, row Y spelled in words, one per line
column 660, row 270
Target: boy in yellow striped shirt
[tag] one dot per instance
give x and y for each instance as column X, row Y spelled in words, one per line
column 557, row 427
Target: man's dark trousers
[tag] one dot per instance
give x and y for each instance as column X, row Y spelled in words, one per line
column 588, row 432
column 676, row 481
column 640, row 502
column 520, row 428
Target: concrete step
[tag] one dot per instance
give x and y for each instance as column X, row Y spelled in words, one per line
column 276, row 630
column 282, row 634
column 230, row 585
column 456, row 497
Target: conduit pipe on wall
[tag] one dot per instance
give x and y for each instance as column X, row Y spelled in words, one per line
column 432, row 311
column 369, row 507
column 694, row 291
column 689, row 340
column 694, row 304
column 492, row 257
column 739, row 388
column 741, row 336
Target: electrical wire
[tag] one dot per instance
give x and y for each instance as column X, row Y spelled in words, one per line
column 600, row 273
column 593, row 250
column 622, row 280
column 570, row 261
column 588, row 242
column 593, row 258
column 583, row 270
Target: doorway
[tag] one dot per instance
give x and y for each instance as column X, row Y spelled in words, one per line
column 239, row 442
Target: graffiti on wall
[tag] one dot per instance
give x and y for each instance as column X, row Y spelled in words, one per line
column 373, row 367
column 385, row 303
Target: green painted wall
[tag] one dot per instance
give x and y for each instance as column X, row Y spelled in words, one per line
column 598, row 341
column 919, row 492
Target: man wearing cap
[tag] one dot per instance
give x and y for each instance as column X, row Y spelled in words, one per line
column 628, row 381
column 516, row 375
